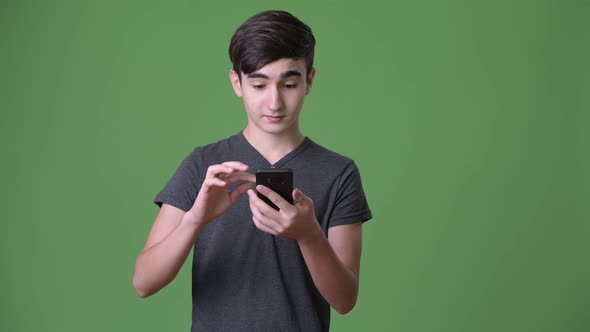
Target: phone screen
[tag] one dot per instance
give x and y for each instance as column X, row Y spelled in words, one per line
column 280, row 180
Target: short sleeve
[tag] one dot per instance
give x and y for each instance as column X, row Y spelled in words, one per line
column 351, row 204
column 181, row 190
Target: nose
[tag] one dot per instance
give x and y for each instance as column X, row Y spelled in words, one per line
column 275, row 102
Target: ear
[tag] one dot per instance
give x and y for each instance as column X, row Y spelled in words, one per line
column 310, row 81
column 235, row 82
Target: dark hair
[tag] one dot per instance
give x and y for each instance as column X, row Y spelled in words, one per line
column 269, row 36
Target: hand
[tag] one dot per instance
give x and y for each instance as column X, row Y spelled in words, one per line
column 292, row 221
column 214, row 199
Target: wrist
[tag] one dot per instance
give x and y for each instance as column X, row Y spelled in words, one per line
column 193, row 220
column 312, row 236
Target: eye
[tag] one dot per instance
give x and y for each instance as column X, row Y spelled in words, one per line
column 290, row 85
column 258, row 86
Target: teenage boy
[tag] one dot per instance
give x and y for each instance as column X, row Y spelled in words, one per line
column 256, row 268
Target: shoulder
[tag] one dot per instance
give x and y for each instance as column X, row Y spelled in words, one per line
column 220, row 145
column 201, row 157
column 220, row 148
column 329, row 158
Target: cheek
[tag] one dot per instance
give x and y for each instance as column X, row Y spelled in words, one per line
column 296, row 101
column 250, row 105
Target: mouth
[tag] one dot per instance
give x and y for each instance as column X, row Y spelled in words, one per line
column 274, row 118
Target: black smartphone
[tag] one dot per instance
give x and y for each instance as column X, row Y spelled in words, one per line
column 280, row 180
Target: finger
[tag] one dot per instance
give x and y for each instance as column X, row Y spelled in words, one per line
column 239, row 191
column 216, row 170
column 263, row 227
column 236, row 165
column 273, row 196
column 251, row 194
column 264, row 208
column 240, row 176
column 263, row 219
column 259, row 206
column 214, row 182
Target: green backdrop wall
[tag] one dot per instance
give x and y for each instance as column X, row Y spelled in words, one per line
column 469, row 121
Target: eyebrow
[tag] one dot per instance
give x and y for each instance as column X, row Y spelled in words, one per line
column 289, row 73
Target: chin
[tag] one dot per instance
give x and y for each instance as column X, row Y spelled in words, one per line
column 275, row 131
column 276, row 128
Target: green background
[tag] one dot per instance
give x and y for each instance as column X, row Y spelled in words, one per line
column 469, row 121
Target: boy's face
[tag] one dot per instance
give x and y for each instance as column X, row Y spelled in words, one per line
column 273, row 95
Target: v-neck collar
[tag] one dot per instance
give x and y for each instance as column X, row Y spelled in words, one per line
column 304, row 144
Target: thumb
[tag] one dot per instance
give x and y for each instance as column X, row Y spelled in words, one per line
column 239, row 191
column 298, row 196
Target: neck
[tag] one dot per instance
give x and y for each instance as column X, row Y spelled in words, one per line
column 273, row 147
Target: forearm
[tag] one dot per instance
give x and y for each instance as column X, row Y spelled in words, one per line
column 158, row 265
column 337, row 284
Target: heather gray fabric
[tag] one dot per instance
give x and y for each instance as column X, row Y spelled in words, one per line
column 248, row 280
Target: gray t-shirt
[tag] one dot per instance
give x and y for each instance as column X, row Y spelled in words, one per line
column 248, row 280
